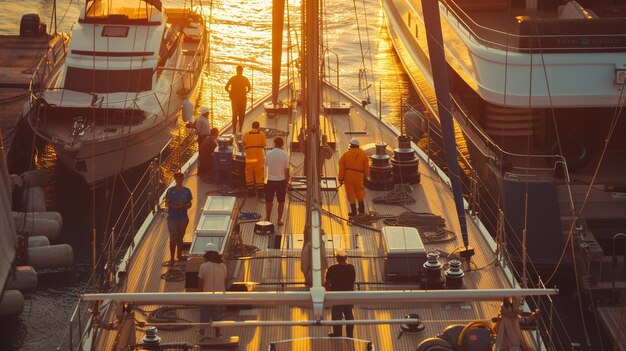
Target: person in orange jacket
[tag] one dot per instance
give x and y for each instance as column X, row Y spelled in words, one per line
column 254, row 142
column 354, row 167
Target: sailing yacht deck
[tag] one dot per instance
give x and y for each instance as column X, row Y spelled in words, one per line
column 279, row 269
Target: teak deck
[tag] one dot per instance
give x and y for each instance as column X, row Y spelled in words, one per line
column 279, row 269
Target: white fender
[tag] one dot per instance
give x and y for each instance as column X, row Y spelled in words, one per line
column 36, row 177
column 33, row 199
column 53, row 256
column 24, row 278
column 188, row 111
column 16, row 181
column 51, row 215
column 38, row 240
column 35, row 225
column 12, row 303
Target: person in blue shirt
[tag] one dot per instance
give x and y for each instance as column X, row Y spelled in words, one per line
column 178, row 201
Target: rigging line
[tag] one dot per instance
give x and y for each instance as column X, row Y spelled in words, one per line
column 369, row 45
column 367, row 94
column 571, row 232
column 358, row 30
column 207, row 60
column 614, row 122
column 93, row 166
column 526, row 184
column 64, row 13
column 595, row 315
column 450, row 111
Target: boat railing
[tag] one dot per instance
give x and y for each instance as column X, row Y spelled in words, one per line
column 116, row 250
column 514, row 166
column 553, row 165
column 550, row 330
column 511, row 165
column 543, row 34
column 143, row 202
column 475, row 189
column 53, row 56
column 129, row 100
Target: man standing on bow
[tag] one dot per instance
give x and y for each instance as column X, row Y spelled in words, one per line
column 238, row 87
column 354, row 167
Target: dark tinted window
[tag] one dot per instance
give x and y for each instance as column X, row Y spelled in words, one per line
column 100, row 81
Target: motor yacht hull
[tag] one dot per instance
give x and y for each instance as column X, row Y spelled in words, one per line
column 109, row 108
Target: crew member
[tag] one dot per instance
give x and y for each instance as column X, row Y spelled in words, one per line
column 254, row 142
column 340, row 277
column 178, row 201
column 354, row 167
column 205, row 156
column 212, row 278
column 277, row 162
column 201, row 125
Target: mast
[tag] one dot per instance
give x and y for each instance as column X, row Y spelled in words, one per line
column 278, row 17
column 311, row 86
column 311, row 102
column 444, row 105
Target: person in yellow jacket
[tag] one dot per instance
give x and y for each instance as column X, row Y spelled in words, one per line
column 254, row 142
column 354, row 167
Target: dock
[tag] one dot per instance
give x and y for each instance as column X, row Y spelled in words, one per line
column 19, row 60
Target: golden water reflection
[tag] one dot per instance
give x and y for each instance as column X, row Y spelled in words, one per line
column 244, row 37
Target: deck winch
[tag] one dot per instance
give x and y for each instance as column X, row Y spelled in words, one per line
column 405, row 162
column 454, row 275
column 433, row 278
column 381, row 172
column 151, row 340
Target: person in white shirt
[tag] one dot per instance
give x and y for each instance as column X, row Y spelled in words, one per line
column 212, row 276
column 277, row 163
column 201, row 125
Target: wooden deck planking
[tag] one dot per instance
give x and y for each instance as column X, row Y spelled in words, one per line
column 363, row 245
